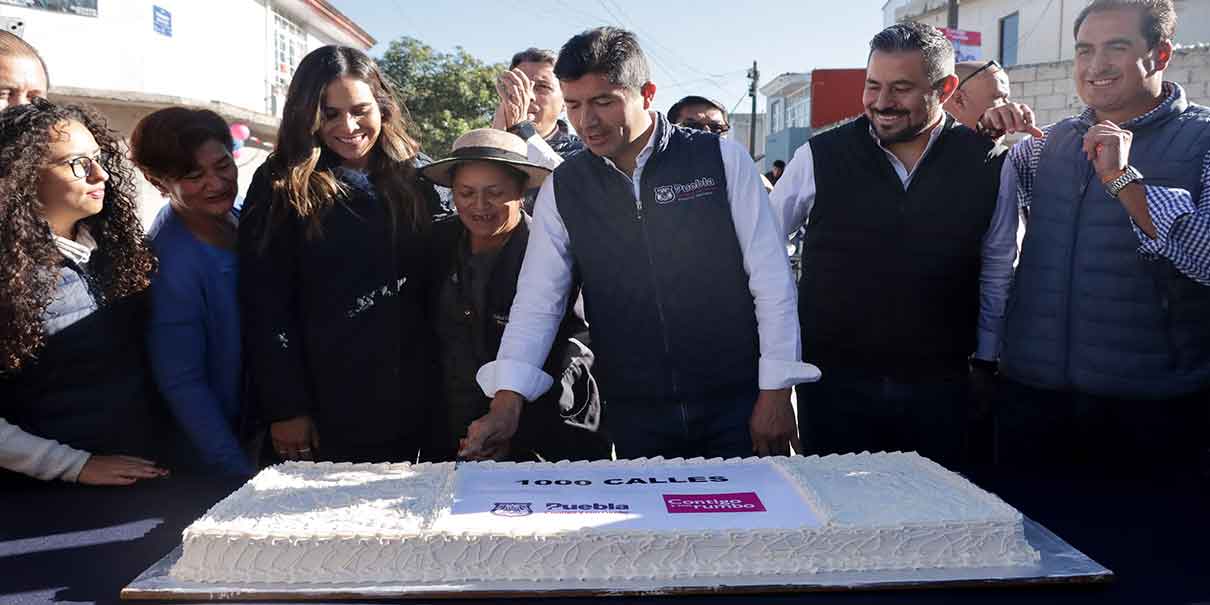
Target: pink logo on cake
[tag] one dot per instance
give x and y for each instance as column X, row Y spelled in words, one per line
column 742, row 502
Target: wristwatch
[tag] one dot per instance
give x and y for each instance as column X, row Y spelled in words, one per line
column 1128, row 176
column 523, row 129
column 984, row 365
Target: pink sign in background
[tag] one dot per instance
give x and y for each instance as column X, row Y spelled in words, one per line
column 740, row 502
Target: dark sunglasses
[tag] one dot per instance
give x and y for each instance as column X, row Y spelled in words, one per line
column 991, row 63
column 715, row 127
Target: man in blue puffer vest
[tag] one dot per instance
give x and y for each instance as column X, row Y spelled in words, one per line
column 1106, row 344
column 687, row 288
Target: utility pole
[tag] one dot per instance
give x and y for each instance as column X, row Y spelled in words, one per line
column 952, row 19
column 754, row 76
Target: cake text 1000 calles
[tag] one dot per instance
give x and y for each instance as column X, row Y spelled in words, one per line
column 624, row 480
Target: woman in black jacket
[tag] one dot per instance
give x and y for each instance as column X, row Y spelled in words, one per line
column 477, row 259
column 333, row 270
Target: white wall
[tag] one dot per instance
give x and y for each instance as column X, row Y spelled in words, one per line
column 1039, row 29
column 1046, row 25
column 1193, row 21
column 217, row 51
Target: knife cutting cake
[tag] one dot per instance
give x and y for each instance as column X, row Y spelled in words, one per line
column 567, row 522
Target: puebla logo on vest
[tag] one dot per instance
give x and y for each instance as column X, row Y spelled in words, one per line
column 512, row 509
column 678, row 192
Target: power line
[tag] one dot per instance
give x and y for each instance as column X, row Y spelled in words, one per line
column 655, row 43
column 1038, row 23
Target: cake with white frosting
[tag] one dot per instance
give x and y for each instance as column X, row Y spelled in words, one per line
column 574, row 521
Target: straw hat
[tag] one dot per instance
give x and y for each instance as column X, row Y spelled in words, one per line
column 491, row 145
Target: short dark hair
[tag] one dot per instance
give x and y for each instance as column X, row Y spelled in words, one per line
column 164, row 142
column 611, row 51
column 911, row 36
column 674, row 112
column 12, row 45
column 533, row 55
column 1159, row 17
column 779, row 164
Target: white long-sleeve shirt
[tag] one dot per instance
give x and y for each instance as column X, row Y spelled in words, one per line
column 546, row 276
column 794, row 196
column 38, row 457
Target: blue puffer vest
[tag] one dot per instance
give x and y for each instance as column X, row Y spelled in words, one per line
column 1088, row 312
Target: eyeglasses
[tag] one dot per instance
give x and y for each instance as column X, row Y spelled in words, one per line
column 715, row 127
column 991, row 63
column 83, row 166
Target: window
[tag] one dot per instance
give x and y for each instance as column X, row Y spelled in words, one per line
column 1009, row 37
column 289, row 46
column 775, row 112
column 798, row 114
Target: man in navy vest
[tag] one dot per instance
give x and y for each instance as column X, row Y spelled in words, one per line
column 1106, row 345
column 907, row 260
column 687, row 288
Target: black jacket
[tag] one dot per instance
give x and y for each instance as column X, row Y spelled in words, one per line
column 335, row 326
column 564, row 422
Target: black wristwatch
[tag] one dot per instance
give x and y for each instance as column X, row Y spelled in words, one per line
column 523, row 129
column 983, row 365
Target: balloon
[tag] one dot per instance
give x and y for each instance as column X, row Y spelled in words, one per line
column 240, row 132
column 238, row 152
column 237, row 145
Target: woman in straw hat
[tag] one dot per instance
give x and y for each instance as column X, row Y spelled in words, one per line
column 478, row 257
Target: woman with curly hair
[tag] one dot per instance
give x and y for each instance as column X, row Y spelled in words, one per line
column 332, row 264
column 194, row 335
column 74, row 390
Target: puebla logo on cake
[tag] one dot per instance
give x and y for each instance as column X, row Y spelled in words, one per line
column 594, row 507
column 511, row 509
column 677, row 192
column 741, row 502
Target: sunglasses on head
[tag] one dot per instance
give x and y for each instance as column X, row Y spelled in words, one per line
column 991, row 63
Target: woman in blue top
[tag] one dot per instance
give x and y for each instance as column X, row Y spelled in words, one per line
column 194, row 333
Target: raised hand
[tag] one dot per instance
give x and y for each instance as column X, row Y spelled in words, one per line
column 1008, row 119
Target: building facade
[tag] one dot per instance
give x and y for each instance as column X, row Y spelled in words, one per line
column 1023, row 32
column 788, row 110
column 128, row 58
column 741, row 131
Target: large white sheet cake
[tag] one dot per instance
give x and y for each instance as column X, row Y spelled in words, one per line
column 564, row 522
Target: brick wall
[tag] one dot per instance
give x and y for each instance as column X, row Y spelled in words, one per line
column 1048, row 87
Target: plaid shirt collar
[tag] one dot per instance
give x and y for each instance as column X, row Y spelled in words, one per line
column 1174, row 98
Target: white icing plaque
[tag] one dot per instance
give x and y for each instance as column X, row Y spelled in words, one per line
column 663, row 497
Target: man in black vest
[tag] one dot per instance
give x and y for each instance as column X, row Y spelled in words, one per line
column 686, row 284
column 907, row 262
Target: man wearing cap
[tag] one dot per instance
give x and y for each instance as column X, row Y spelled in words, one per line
column 686, row 282
column 477, row 259
column 699, row 113
column 708, row 115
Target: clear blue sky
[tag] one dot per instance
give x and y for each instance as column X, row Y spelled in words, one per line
column 694, row 47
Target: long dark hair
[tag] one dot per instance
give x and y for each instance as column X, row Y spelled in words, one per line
column 29, row 261
column 304, row 186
